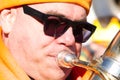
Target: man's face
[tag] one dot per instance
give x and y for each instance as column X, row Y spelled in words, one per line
column 34, row 50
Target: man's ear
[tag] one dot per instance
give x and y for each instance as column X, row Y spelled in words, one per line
column 7, row 19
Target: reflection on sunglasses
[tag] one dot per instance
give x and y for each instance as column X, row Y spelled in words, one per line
column 56, row 25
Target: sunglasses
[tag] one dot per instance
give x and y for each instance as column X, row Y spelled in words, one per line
column 56, row 25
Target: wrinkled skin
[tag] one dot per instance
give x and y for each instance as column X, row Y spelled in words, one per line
column 33, row 50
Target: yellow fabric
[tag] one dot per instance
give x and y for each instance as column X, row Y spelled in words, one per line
column 11, row 3
column 9, row 69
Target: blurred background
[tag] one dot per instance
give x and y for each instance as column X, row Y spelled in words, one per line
column 105, row 14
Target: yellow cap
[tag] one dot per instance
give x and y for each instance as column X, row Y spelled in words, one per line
column 11, row 3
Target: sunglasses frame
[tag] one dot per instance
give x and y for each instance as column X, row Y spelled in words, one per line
column 41, row 17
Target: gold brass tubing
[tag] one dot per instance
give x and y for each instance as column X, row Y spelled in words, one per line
column 90, row 67
column 68, row 60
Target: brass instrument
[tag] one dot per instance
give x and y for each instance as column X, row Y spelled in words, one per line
column 107, row 67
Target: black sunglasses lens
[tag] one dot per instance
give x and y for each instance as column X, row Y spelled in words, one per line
column 81, row 34
column 86, row 35
column 50, row 26
column 54, row 27
column 77, row 32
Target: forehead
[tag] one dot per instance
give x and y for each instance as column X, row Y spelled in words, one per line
column 70, row 11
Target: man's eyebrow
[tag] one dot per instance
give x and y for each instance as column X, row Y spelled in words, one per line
column 55, row 13
column 63, row 16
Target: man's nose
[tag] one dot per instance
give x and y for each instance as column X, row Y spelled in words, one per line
column 67, row 38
